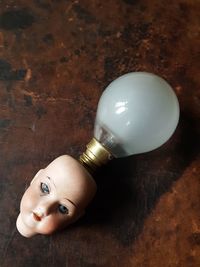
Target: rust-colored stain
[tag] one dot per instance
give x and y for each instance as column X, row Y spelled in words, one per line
column 56, row 58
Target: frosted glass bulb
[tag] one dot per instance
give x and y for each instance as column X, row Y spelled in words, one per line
column 137, row 112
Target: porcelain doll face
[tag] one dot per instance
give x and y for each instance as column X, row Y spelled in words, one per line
column 56, row 197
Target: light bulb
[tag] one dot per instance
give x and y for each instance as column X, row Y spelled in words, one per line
column 138, row 112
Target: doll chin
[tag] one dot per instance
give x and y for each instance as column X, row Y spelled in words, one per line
column 23, row 229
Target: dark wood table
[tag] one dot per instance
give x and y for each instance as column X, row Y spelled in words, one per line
column 56, row 58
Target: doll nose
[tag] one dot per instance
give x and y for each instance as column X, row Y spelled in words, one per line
column 37, row 216
column 43, row 210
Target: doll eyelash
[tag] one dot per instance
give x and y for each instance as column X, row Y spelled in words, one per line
column 44, row 188
column 63, row 209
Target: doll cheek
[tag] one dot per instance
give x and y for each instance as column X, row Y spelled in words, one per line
column 28, row 200
column 49, row 225
column 53, row 223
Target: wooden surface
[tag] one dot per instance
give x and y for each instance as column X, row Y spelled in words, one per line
column 56, row 58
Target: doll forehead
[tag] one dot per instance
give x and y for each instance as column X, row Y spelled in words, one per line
column 52, row 181
column 67, row 184
column 63, row 184
column 63, row 177
column 60, row 185
column 71, row 180
column 64, row 172
column 65, row 191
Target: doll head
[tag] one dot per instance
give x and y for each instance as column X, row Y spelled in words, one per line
column 56, row 197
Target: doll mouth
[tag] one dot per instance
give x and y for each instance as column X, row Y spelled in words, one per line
column 36, row 217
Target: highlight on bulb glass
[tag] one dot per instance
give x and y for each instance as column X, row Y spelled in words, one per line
column 137, row 113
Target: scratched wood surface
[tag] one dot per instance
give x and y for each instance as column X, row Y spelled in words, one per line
column 56, row 58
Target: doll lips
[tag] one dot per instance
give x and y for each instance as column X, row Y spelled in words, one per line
column 36, row 217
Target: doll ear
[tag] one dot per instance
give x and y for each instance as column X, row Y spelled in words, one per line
column 35, row 177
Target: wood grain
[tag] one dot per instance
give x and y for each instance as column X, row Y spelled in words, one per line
column 56, row 58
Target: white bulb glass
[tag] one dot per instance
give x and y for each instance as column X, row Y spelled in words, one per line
column 137, row 112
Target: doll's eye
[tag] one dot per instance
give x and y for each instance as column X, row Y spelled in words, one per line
column 44, row 188
column 62, row 209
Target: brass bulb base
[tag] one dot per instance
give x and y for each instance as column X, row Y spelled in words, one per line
column 95, row 155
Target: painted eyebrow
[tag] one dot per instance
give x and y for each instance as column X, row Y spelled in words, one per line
column 64, row 198
column 71, row 202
